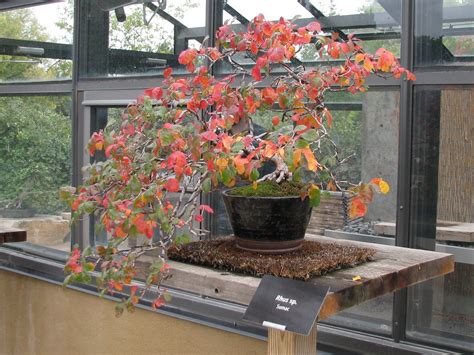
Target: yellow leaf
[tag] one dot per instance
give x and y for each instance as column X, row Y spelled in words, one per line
column 222, row 163
column 359, row 57
column 356, row 278
column 368, row 64
column 254, row 185
column 384, row 187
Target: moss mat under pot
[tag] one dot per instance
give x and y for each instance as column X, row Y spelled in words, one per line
column 313, row 259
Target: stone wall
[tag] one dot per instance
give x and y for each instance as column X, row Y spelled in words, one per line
column 380, row 149
column 330, row 214
column 53, row 231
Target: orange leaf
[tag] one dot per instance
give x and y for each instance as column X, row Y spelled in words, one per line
column 239, row 164
column 310, row 159
column 357, row 208
column 296, row 157
column 368, row 65
column 359, row 57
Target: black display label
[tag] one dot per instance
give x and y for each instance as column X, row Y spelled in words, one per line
column 286, row 304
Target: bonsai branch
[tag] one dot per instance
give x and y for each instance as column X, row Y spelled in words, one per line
column 281, row 171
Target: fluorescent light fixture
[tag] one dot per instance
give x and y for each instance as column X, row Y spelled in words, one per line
column 29, row 51
column 156, row 61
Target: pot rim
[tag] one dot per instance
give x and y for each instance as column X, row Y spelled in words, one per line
column 225, row 193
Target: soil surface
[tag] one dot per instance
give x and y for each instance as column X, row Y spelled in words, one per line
column 313, row 259
column 268, row 189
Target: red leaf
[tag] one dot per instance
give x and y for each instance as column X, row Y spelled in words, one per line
column 261, row 61
column 187, row 56
column 276, row 54
column 158, row 303
column 167, row 72
column 172, row 185
column 209, row 135
column 206, row 208
column 157, row 93
column 256, row 73
column 313, row 26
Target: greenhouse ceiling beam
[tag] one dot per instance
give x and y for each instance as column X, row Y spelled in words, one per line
column 233, row 12
column 393, row 8
column 166, row 15
column 110, row 5
column 319, row 15
column 6, row 5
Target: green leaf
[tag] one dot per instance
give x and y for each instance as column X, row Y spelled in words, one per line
column 88, row 207
column 314, row 197
column 310, row 135
column 182, row 239
column 237, row 147
column 254, row 174
column 227, row 176
column 301, row 143
column 167, row 297
column 166, row 137
column 300, row 127
column 297, row 174
column 135, row 185
column 206, row 185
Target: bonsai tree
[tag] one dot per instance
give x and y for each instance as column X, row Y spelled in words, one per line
column 197, row 132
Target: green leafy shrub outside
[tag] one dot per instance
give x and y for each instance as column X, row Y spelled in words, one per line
column 35, row 152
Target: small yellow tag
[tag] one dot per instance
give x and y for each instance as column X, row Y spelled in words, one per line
column 356, row 278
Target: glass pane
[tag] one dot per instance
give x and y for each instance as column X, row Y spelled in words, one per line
column 272, row 9
column 365, row 127
column 138, row 39
column 36, row 43
column 444, row 32
column 442, row 209
column 35, row 161
column 375, row 23
column 367, row 132
column 108, row 119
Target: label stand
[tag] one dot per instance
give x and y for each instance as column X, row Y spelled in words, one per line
column 289, row 343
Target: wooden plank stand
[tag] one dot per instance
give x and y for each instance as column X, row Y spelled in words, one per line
column 393, row 268
column 288, row 343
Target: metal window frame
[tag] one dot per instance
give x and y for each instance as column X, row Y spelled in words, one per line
column 88, row 93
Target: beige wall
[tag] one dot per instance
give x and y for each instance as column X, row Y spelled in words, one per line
column 37, row 317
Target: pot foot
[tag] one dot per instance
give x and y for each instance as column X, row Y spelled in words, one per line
column 268, row 247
